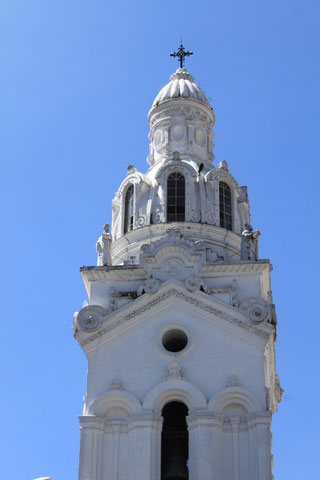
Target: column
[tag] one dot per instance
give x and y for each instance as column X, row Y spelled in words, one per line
column 115, row 428
column 156, row 430
column 253, row 455
column 143, row 431
column 235, row 422
column 89, row 428
column 262, row 427
column 200, row 426
column 217, row 447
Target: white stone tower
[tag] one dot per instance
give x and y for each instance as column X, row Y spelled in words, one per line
column 180, row 329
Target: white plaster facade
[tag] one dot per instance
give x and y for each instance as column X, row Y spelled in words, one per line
column 193, row 276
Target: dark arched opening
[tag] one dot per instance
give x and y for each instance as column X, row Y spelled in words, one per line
column 128, row 210
column 176, row 197
column 174, row 442
column 225, row 206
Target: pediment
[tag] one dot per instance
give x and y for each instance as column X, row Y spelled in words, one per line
column 175, row 297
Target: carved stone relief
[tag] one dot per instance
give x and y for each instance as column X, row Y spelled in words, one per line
column 212, row 310
column 195, row 216
column 256, row 309
column 90, row 318
column 194, row 283
column 173, row 267
column 213, row 257
column 175, row 372
column 151, row 285
column 278, row 390
column 142, row 220
column 233, row 381
column 116, row 385
column 193, row 113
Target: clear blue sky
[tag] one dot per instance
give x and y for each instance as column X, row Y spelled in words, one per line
column 77, row 80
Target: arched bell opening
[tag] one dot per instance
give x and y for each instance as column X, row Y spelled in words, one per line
column 176, row 193
column 174, row 442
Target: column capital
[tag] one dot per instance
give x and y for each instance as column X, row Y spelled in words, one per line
column 91, row 422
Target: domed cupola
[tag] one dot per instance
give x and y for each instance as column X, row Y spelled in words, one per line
column 181, row 187
column 181, row 120
column 181, row 85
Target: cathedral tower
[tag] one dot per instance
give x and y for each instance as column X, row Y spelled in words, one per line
column 180, row 328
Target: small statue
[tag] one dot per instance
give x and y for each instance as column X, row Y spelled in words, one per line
column 103, row 247
column 249, row 243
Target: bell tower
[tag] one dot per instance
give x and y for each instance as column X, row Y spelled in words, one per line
column 180, row 327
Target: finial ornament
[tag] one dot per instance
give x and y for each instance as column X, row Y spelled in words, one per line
column 181, row 53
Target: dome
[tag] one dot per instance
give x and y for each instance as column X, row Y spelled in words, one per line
column 181, row 84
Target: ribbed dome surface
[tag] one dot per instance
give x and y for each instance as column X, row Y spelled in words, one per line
column 181, row 84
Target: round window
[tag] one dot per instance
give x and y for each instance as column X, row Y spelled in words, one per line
column 174, row 340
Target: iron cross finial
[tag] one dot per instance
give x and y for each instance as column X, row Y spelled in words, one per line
column 181, row 53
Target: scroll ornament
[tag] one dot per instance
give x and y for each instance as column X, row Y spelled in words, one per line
column 256, row 309
column 142, row 220
column 195, row 216
column 151, row 285
column 90, row 318
column 194, row 283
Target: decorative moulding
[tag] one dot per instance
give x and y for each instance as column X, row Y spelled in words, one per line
column 185, row 109
column 175, row 372
column 256, row 309
column 194, row 283
column 90, row 318
column 113, row 398
column 234, row 394
column 216, row 174
column 178, row 389
column 116, row 385
column 151, row 285
column 233, row 381
column 189, row 299
column 134, row 177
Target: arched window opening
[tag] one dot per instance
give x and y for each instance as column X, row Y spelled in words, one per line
column 174, row 442
column 225, row 206
column 128, row 210
column 176, row 197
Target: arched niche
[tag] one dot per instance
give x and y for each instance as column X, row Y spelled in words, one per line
column 234, row 396
column 220, row 174
column 115, row 403
column 133, row 178
column 174, row 166
column 174, row 390
column 192, row 202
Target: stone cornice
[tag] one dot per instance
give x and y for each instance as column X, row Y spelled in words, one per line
column 137, row 273
column 94, row 273
column 235, row 267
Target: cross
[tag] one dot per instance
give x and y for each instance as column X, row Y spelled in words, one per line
column 181, row 53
